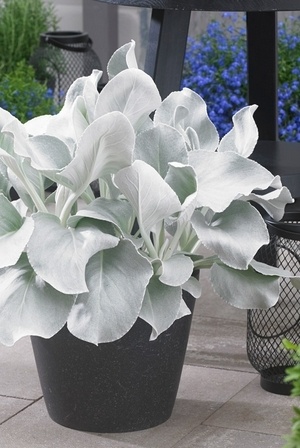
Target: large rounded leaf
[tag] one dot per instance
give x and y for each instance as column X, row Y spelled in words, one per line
column 59, row 255
column 117, row 212
column 161, row 306
column 105, row 147
column 224, row 176
column 245, row 289
column 117, row 279
column 187, row 112
column 28, row 305
column 159, row 146
column 131, row 92
column 235, row 235
column 122, row 58
column 243, row 137
column 14, row 233
column 150, row 196
column 176, row 270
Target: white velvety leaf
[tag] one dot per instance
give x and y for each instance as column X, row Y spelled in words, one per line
column 182, row 179
column 161, row 306
column 116, row 279
column 14, row 233
column 243, row 137
column 5, row 117
column 193, row 287
column 224, row 176
column 184, row 110
column 117, row 212
column 183, row 310
column 20, row 190
column 79, row 117
column 131, row 92
column 122, row 58
column 20, row 207
column 28, row 305
column 52, row 248
column 86, row 86
column 105, row 147
column 266, row 269
column 18, row 132
column 4, row 181
column 245, row 289
column 61, row 125
column 48, row 153
column 176, row 270
column 38, row 125
column 273, row 202
column 150, row 196
column 159, row 146
column 18, row 168
column 3, row 170
column 235, row 235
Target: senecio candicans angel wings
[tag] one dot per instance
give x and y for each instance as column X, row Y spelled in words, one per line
column 168, row 187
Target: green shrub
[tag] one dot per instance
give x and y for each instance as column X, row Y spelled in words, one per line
column 21, row 23
column 293, row 377
column 23, row 96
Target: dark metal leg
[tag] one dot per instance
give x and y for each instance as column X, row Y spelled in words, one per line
column 166, row 48
column 263, row 71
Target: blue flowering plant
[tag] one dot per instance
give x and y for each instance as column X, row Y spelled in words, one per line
column 23, row 96
column 216, row 68
column 168, row 187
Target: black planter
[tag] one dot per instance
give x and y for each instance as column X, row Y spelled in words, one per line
column 126, row 385
column 267, row 328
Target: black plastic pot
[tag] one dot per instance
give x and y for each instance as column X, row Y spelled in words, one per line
column 126, row 385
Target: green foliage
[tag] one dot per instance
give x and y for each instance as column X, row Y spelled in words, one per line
column 23, row 96
column 21, row 23
column 293, row 377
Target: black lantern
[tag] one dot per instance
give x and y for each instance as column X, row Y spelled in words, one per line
column 62, row 57
column 267, row 328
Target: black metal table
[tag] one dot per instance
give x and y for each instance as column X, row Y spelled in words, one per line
column 165, row 57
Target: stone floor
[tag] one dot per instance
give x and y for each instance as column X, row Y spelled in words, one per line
column 220, row 402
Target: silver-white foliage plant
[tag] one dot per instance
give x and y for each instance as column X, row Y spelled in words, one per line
column 168, row 187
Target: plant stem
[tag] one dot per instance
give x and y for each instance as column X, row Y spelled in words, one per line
column 148, row 242
column 174, row 242
column 65, row 213
column 206, row 263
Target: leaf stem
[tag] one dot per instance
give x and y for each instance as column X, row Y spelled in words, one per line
column 148, row 242
column 66, row 210
column 174, row 242
column 206, row 263
column 38, row 202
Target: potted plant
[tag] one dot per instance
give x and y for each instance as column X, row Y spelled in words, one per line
column 107, row 273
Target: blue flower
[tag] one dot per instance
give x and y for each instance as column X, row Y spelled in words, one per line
column 216, row 68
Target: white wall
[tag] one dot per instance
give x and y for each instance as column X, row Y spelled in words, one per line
column 70, row 14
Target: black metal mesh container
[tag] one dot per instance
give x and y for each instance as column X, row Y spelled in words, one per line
column 267, row 328
column 62, row 57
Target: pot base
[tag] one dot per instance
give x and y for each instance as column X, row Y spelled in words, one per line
column 121, row 386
